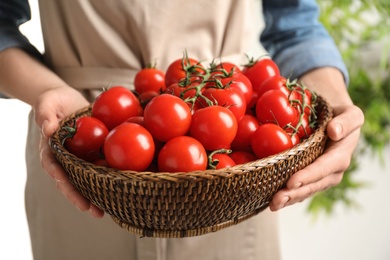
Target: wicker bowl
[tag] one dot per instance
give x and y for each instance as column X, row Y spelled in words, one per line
column 187, row 204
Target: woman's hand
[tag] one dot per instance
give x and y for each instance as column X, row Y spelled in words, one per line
column 343, row 132
column 27, row 79
column 51, row 107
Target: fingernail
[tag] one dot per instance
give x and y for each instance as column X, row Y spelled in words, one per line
column 338, row 128
column 297, row 185
column 284, row 201
column 56, row 177
column 44, row 125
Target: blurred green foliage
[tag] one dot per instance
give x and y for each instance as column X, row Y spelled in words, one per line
column 357, row 26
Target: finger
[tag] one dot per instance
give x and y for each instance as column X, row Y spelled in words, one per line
column 287, row 197
column 346, row 121
column 74, row 196
column 49, row 126
column 49, row 163
column 336, row 158
column 95, row 211
column 46, row 117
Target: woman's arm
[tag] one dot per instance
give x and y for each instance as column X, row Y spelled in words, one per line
column 296, row 40
column 303, row 49
column 24, row 76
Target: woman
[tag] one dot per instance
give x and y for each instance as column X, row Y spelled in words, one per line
column 92, row 44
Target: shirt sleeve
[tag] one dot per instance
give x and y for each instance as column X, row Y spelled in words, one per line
column 296, row 40
column 13, row 13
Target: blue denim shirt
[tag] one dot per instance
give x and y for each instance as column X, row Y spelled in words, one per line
column 293, row 36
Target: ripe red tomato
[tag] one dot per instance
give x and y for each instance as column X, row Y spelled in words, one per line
column 246, row 127
column 167, row 116
column 115, row 105
column 241, row 82
column 241, row 157
column 294, row 137
column 304, row 129
column 251, row 106
column 175, row 89
column 224, row 68
column 270, row 139
column 182, row 68
column 214, row 126
column 183, row 91
column 182, row 154
column 86, row 138
column 136, row 120
column 274, row 107
column 101, row 162
column 275, row 82
column 302, row 99
column 129, row 146
column 231, row 98
column 222, row 160
column 259, row 70
column 149, row 79
column 146, row 96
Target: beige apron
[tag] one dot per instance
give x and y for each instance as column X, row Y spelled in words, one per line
column 93, row 44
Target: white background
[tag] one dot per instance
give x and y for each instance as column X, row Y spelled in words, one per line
column 358, row 234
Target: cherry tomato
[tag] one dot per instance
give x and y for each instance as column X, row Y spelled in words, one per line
column 129, row 146
column 181, row 69
column 302, row 99
column 274, row 107
column 214, row 126
column 146, row 96
column 275, row 82
column 231, row 98
column 185, row 93
column 270, row 139
column 86, row 138
column 149, row 79
column 251, row 106
column 241, row 82
column 260, row 70
column 245, row 128
column 140, row 121
column 175, row 89
column 101, row 162
column 222, row 160
column 136, row 120
column 241, row 157
column 115, row 105
column 167, row 116
column 294, row 138
column 182, row 154
column 224, row 68
column 304, row 129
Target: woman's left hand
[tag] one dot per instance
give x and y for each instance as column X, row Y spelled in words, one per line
column 343, row 132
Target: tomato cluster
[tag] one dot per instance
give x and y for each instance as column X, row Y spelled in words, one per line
column 195, row 117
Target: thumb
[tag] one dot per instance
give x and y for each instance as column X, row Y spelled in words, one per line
column 347, row 120
column 46, row 120
column 49, row 127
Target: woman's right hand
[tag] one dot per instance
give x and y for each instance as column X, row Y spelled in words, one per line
column 50, row 108
column 26, row 78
